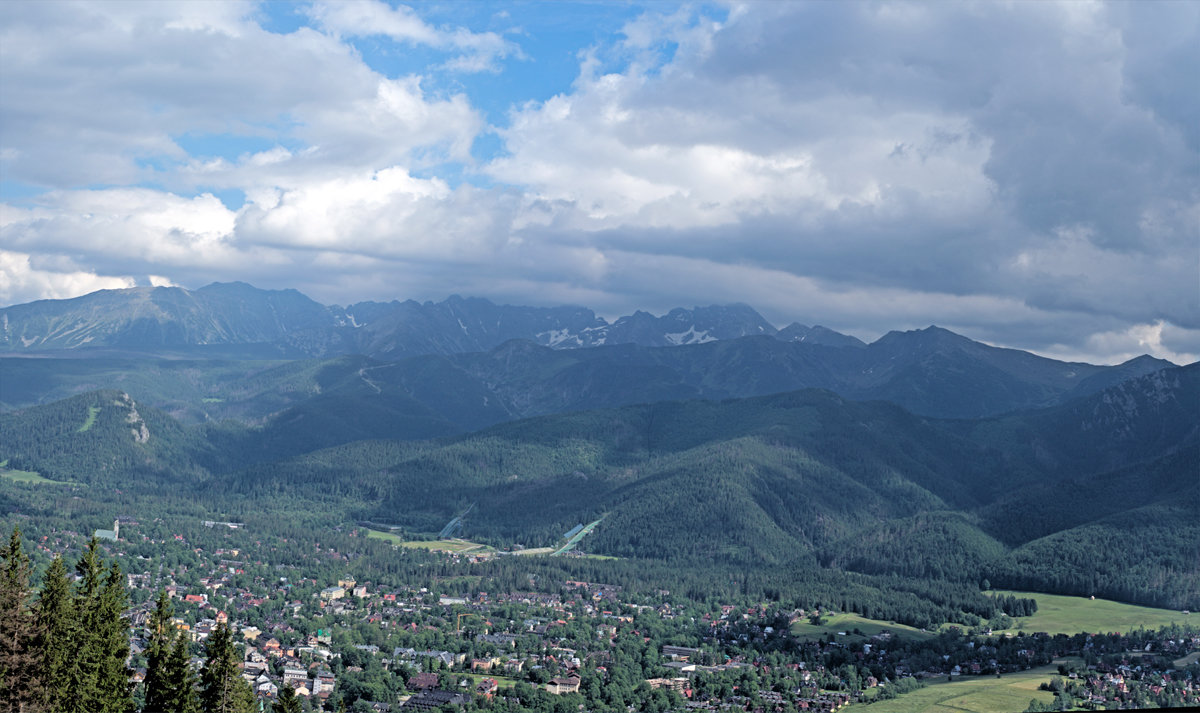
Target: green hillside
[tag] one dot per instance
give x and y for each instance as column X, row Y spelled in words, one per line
column 935, row 545
column 103, row 437
column 1058, row 614
column 850, row 497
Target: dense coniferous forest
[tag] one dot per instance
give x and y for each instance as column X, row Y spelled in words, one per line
column 805, row 481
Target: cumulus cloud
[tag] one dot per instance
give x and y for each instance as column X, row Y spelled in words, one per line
column 21, row 281
column 116, row 227
column 989, row 153
column 1171, row 343
column 110, row 105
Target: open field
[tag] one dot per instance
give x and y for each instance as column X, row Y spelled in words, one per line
column 501, row 681
column 975, row 694
column 1187, row 660
column 1057, row 614
column 534, row 551
column 389, row 536
column 848, row 623
column 453, row 545
column 93, row 411
column 24, row 476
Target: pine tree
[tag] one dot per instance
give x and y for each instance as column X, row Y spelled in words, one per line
column 98, row 681
column 18, row 664
column 57, row 630
column 157, row 653
column 84, row 696
column 180, row 679
column 112, row 680
column 287, row 702
column 223, row 690
column 243, row 697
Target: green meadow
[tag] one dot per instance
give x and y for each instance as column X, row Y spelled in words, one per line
column 434, row 545
column 389, row 536
column 23, row 476
column 93, row 411
column 847, row 623
column 501, row 681
column 983, row 694
column 1058, row 614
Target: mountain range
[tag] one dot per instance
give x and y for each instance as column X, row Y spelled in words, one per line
column 704, row 435
column 238, row 320
column 463, row 364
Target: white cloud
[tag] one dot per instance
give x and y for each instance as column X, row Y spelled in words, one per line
column 99, row 95
column 117, row 226
column 1114, row 347
column 674, row 147
column 367, row 18
column 362, row 213
column 987, row 154
column 21, row 282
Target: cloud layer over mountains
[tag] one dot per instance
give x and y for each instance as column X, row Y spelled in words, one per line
column 1027, row 174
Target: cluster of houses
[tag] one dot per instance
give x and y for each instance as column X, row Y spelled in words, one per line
column 284, row 626
column 1140, row 681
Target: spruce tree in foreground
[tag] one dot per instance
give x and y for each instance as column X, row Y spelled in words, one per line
column 57, row 632
column 287, row 702
column 180, row 680
column 83, row 694
column 112, row 680
column 158, row 651
column 96, row 679
column 18, row 662
column 223, row 690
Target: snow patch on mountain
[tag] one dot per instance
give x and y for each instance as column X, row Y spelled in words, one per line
column 559, row 338
column 691, row 336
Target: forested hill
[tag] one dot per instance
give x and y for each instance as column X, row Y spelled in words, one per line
column 804, row 479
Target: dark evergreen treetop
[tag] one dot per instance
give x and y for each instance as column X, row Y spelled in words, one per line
column 19, row 671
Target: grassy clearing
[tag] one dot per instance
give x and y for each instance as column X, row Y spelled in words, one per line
column 982, row 694
column 501, row 681
column 93, row 411
column 535, row 551
column 848, row 623
column 389, row 536
column 25, row 476
column 551, row 551
column 1057, row 614
column 454, row 545
column 1187, row 660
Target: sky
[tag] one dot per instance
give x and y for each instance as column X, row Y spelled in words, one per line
column 1024, row 173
